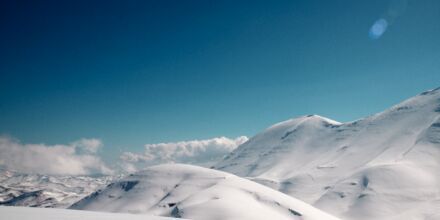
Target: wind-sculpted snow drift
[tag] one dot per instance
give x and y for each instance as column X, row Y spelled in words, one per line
column 385, row 166
column 186, row 191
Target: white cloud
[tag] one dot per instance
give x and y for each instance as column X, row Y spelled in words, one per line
column 80, row 157
column 199, row 152
column 76, row 158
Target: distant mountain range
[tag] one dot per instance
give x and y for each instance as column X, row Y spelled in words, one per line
column 35, row 190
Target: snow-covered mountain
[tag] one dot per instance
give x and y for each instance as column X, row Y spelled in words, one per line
column 193, row 192
column 385, row 166
column 17, row 189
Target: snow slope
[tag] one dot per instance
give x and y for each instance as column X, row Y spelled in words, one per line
column 25, row 213
column 386, row 166
column 193, row 192
column 36, row 190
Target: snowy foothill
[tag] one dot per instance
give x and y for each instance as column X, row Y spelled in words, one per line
column 192, row 192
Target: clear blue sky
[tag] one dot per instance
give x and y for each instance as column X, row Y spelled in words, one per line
column 137, row 72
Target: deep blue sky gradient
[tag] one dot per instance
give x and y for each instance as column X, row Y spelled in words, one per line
column 137, row 72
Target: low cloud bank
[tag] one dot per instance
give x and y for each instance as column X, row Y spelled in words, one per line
column 76, row 158
column 81, row 157
column 198, row 152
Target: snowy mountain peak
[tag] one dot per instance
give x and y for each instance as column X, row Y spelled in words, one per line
column 307, row 119
column 432, row 91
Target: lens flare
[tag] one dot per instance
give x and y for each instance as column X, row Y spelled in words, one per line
column 378, row 29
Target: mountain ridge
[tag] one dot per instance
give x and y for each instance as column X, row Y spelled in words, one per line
column 328, row 165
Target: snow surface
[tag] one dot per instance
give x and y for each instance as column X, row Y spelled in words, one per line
column 385, row 166
column 25, row 213
column 193, row 192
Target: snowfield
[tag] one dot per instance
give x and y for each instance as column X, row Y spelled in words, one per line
column 193, row 192
column 25, row 213
column 385, row 166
